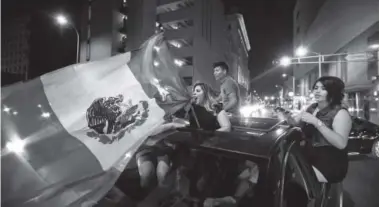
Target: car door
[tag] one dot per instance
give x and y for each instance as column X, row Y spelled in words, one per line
column 298, row 184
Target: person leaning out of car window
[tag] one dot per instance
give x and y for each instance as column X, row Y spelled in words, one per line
column 230, row 95
column 209, row 117
column 326, row 125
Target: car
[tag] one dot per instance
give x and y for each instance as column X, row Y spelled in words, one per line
column 285, row 177
column 364, row 138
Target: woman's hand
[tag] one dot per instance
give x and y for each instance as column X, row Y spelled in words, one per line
column 308, row 118
column 168, row 126
column 282, row 116
column 176, row 125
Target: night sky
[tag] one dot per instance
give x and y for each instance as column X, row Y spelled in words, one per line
column 268, row 22
column 269, row 26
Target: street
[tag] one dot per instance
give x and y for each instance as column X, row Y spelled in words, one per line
column 361, row 185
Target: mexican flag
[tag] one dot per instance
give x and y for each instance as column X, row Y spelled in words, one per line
column 67, row 135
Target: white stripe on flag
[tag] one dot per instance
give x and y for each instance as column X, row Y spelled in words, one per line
column 71, row 91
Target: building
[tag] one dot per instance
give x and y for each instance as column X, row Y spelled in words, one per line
column 239, row 47
column 331, row 27
column 32, row 42
column 196, row 31
column 15, row 47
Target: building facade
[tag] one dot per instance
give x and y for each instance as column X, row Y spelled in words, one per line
column 196, row 30
column 15, row 48
column 239, row 47
column 347, row 27
column 33, row 43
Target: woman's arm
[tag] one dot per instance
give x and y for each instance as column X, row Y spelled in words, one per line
column 167, row 126
column 339, row 135
column 224, row 122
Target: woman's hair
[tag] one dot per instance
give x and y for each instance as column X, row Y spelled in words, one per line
column 209, row 96
column 335, row 88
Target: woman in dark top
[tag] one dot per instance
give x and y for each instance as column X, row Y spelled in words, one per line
column 208, row 115
column 326, row 125
column 159, row 152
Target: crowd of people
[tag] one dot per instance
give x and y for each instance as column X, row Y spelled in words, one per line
column 326, row 125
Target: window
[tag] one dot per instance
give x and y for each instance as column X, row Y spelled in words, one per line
column 189, row 60
column 188, row 80
column 372, row 66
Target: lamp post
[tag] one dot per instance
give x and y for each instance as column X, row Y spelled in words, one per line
column 63, row 21
column 293, row 92
column 303, row 51
column 281, row 93
column 284, row 75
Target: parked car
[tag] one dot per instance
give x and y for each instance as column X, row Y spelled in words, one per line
column 364, row 137
column 285, row 178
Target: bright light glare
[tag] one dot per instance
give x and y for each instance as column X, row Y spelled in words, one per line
column 279, row 131
column 15, row 113
column 175, row 26
column 179, row 63
column 45, row 115
column 156, row 63
column 301, row 51
column 128, row 155
column 374, row 46
column 6, row 109
column 266, row 98
column 272, row 97
column 16, row 146
column 157, row 48
column 62, row 20
column 176, row 44
column 284, row 75
column 248, row 110
column 285, row 61
column 291, row 94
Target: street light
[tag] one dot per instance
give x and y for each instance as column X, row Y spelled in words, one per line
column 284, row 75
column 285, row 61
column 63, row 21
column 374, row 46
column 301, row 51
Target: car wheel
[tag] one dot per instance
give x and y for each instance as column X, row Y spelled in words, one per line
column 375, row 149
